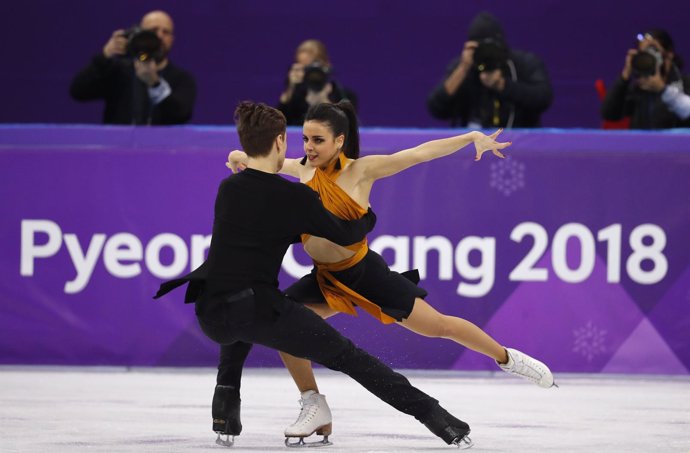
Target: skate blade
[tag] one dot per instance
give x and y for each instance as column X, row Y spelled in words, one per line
column 227, row 442
column 464, row 443
column 302, row 444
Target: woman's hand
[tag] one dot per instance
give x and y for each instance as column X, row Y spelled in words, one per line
column 296, row 74
column 237, row 161
column 484, row 143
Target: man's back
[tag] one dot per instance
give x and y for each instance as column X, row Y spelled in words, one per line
column 257, row 216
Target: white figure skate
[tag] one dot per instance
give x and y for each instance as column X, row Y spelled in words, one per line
column 314, row 417
column 520, row 364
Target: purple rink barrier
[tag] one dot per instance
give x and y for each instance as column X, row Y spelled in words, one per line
column 575, row 249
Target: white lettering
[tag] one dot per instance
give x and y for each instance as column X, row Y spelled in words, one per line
column 293, row 267
column 560, row 248
column 124, row 252
column 123, row 247
column 84, row 263
column 485, row 272
column 422, row 246
column 612, row 236
column 30, row 250
column 652, row 252
column 400, row 246
column 180, row 255
column 200, row 245
column 526, row 271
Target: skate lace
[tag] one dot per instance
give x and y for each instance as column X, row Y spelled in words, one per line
column 306, row 413
column 531, row 371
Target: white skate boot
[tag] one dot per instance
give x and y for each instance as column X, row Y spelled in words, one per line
column 529, row 368
column 314, row 417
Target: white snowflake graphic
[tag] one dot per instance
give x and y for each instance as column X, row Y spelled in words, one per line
column 589, row 341
column 507, row 176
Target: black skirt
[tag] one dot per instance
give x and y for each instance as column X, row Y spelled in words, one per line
column 372, row 278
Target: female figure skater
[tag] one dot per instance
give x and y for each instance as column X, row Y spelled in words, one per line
column 344, row 277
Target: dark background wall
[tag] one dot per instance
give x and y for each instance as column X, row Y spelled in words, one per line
column 390, row 52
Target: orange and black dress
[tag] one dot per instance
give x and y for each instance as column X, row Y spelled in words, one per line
column 363, row 280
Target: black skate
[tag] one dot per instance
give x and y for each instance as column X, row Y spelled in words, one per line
column 225, row 410
column 450, row 429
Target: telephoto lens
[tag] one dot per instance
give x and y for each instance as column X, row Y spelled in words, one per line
column 145, row 45
column 316, row 76
column 646, row 62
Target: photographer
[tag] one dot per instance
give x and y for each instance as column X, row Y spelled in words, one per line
column 651, row 89
column 135, row 78
column 491, row 85
column 310, row 82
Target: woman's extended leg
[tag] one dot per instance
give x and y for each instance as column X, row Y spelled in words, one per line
column 425, row 320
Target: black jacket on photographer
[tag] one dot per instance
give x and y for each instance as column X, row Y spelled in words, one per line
column 126, row 97
column 527, row 93
column 296, row 108
column 646, row 109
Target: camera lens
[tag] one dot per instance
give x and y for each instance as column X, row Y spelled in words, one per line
column 145, row 45
column 646, row 62
column 489, row 55
column 315, row 77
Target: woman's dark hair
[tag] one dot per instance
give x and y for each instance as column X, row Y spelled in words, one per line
column 258, row 125
column 341, row 119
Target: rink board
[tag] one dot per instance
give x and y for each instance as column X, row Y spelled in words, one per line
column 575, row 248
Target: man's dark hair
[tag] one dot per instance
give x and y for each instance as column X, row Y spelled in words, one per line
column 258, row 125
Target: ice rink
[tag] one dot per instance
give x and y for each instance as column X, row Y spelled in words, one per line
column 168, row 410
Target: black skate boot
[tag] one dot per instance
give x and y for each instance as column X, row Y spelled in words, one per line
column 225, row 410
column 448, row 428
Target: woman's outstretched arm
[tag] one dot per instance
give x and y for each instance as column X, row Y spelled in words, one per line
column 381, row 166
column 237, row 161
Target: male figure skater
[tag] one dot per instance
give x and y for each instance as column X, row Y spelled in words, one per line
column 258, row 214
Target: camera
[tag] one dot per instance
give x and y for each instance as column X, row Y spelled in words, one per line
column 646, row 62
column 316, row 76
column 144, row 45
column 490, row 55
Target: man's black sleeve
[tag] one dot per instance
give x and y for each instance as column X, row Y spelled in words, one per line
column 94, row 81
column 178, row 107
column 532, row 91
column 615, row 104
column 442, row 105
column 320, row 222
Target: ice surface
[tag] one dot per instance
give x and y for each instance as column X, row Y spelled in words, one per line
column 168, row 410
